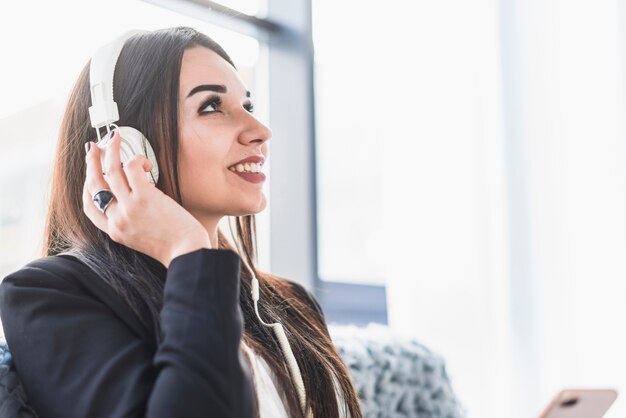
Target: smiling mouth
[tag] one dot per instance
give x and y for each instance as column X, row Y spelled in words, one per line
column 251, row 177
column 247, row 168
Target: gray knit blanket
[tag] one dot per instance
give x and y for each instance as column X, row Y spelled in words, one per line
column 13, row 403
column 394, row 377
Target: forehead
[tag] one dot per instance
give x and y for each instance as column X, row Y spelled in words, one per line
column 201, row 65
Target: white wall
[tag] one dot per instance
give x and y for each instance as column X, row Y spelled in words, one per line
column 504, row 194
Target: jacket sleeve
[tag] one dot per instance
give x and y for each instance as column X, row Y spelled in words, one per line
column 77, row 359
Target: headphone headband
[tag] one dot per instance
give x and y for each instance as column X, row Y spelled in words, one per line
column 103, row 110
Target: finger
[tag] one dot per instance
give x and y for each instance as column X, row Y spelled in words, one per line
column 89, row 208
column 115, row 175
column 94, row 180
column 135, row 170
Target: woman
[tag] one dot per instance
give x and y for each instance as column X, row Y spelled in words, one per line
column 143, row 308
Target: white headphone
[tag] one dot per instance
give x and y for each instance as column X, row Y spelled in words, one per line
column 103, row 111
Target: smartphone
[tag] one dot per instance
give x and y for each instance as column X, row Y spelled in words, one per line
column 580, row 403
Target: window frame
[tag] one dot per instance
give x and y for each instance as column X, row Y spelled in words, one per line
column 286, row 30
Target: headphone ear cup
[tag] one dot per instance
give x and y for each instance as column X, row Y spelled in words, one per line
column 135, row 143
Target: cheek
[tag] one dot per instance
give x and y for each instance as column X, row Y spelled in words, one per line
column 202, row 149
column 202, row 167
column 202, row 163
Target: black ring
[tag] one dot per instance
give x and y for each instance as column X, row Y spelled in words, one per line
column 102, row 199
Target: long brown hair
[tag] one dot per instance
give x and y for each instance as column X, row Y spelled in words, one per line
column 146, row 90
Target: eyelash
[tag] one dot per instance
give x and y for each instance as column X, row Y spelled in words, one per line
column 216, row 102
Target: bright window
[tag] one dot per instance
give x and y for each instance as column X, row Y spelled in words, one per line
column 46, row 57
column 349, row 204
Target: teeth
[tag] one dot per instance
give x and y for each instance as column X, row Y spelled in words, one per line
column 247, row 168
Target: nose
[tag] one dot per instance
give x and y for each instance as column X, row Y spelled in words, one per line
column 254, row 131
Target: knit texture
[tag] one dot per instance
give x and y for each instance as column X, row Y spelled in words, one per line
column 13, row 403
column 395, row 376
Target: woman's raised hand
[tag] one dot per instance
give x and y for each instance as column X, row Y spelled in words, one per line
column 140, row 216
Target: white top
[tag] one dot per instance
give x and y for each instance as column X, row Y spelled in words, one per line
column 270, row 402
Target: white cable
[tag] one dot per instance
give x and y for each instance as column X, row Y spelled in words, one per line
column 286, row 348
column 279, row 331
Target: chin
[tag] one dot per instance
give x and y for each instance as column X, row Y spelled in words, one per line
column 252, row 209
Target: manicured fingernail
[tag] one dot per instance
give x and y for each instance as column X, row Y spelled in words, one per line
column 111, row 137
column 87, row 147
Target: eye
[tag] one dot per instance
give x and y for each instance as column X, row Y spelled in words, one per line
column 211, row 105
column 249, row 107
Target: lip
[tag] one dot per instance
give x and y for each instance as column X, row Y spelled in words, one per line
column 252, row 159
column 252, row 177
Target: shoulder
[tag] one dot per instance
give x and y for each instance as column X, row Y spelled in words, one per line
column 61, row 272
column 32, row 293
column 43, row 281
column 63, row 285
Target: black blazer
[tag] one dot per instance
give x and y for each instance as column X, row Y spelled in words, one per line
column 81, row 352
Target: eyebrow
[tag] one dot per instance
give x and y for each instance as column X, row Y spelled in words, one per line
column 218, row 88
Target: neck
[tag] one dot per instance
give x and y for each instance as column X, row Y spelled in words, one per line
column 210, row 225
